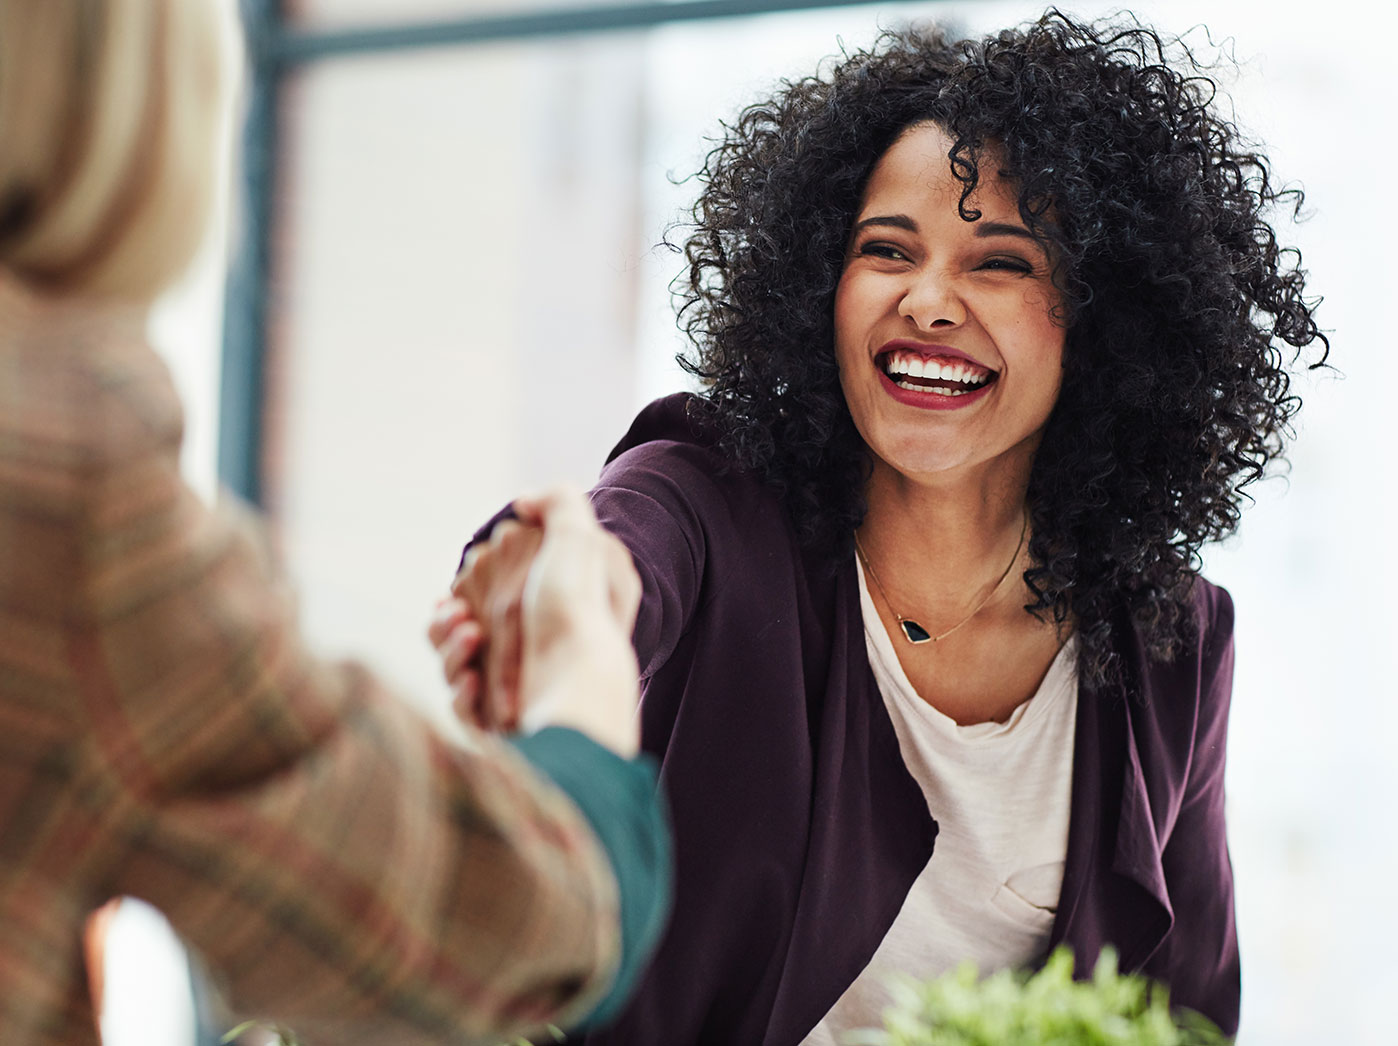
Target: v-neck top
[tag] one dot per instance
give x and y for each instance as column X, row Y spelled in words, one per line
column 1001, row 794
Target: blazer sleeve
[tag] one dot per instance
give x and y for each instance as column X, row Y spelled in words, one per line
column 339, row 866
column 1204, row 963
column 652, row 498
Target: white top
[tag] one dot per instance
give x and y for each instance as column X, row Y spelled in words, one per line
column 1000, row 793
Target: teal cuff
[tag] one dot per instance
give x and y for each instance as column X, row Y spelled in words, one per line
column 622, row 801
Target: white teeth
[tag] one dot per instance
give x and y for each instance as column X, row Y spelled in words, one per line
column 907, row 364
column 935, row 390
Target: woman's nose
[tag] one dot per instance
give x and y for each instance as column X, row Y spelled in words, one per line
column 932, row 301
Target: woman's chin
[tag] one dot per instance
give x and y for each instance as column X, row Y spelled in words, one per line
column 920, row 463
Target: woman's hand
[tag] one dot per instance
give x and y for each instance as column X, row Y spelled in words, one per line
column 483, row 671
column 457, row 636
column 538, row 629
column 578, row 610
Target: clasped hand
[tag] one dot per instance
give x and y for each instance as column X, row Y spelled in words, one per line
column 537, row 630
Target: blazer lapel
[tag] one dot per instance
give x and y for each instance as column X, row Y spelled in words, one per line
column 1142, row 926
column 1114, row 890
column 871, row 835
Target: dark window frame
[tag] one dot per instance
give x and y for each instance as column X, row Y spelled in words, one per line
column 275, row 47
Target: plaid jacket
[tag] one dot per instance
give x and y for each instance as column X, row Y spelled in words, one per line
column 164, row 735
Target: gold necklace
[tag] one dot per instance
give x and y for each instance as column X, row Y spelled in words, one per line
column 914, row 632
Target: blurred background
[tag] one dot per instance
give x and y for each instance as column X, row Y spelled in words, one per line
column 435, row 284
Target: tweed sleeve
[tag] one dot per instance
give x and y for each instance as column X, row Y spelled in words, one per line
column 338, row 866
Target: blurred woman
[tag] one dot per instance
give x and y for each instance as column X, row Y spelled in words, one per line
column 163, row 733
column 989, row 334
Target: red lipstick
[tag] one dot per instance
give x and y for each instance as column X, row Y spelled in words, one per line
column 902, row 375
column 934, row 400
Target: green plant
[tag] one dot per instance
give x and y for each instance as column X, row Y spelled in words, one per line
column 1048, row 1008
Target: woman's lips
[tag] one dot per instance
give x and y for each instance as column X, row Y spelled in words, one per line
column 933, row 377
column 932, row 361
column 934, row 397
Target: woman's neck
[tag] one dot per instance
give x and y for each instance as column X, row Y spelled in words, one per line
column 938, row 546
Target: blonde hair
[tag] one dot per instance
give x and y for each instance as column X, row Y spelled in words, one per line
column 109, row 120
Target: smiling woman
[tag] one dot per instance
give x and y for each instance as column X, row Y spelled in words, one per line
column 933, row 312
column 950, row 352
column 990, row 333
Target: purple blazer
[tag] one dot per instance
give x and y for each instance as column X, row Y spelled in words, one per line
column 798, row 830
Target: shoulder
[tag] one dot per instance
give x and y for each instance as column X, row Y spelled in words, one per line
column 1213, row 607
column 81, row 388
column 1183, row 703
column 667, row 437
column 1212, row 650
column 1208, row 636
column 89, row 427
column 670, row 457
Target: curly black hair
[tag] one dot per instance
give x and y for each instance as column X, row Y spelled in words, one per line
column 1176, row 296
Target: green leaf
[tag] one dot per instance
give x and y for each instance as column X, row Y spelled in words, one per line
column 1048, row 1008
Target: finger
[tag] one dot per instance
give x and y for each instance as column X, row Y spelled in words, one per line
column 623, row 584
column 479, row 580
column 479, row 567
column 446, row 616
column 465, row 702
column 501, row 663
column 559, row 506
column 513, row 550
column 500, row 709
column 460, row 648
column 506, row 531
column 469, row 564
column 506, row 707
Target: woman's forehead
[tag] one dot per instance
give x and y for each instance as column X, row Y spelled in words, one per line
column 916, row 172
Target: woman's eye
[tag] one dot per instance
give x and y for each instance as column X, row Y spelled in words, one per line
column 882, row 250
column 1007, row 265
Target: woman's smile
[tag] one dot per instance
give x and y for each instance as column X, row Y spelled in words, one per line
column 933, row 377
column 949, row 349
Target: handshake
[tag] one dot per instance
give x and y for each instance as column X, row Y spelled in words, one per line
column 537, row 629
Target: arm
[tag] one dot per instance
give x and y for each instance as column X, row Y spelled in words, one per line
column 338, row 865
column 552, row 600
column 646, row 502
column 535, row 632
column 660, row 529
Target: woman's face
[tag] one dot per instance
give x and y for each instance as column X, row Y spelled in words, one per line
column 949, row 354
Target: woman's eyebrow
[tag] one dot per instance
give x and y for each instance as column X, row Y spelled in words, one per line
column 896, row 221
column 986, row 229
column 983, row 230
